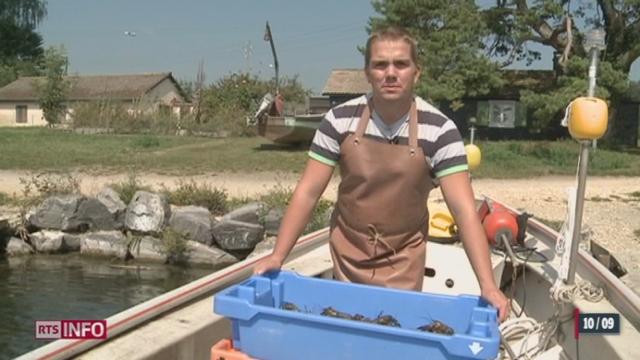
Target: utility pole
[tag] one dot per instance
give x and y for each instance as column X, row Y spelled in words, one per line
column 268, row 37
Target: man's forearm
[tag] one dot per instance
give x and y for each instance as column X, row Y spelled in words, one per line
column 477, row 249
column 293, row 223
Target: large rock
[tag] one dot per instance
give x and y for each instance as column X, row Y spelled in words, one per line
column 272, row 221
column 57, row 213
column 93, row 215
column 116, row 207
column 198, row 254
column 104, row 243
column 72, row 241
column 250, row 213
column 16, row 247
column 264, row 246
column 237, row 235
column 148, row 248
column 50, row 241
column 193, row 222
column 147, row 212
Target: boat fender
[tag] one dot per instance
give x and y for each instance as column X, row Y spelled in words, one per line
column 488, row 207
column 500, row 222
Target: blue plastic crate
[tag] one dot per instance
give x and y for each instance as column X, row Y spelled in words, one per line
column 262, row 329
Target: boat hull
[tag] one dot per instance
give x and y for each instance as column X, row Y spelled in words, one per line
column 292, row 130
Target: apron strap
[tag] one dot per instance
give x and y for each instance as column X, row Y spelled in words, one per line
column 362, row 124
column 413, row 128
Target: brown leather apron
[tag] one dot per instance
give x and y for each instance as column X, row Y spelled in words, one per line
column 379, row 226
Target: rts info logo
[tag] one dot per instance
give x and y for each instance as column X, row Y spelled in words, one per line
column 71, row 329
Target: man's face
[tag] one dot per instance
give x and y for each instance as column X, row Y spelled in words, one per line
column 391, row 72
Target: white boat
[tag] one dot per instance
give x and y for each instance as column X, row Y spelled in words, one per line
column 181, row 324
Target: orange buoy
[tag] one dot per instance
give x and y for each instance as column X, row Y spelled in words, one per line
column 500, row 222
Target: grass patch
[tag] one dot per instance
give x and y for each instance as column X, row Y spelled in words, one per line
column 599, row 199
column 5, row 199
column 635, row 194
column 42, row 148
column 522, row 159
column 636, row 232
column 146, row 142
column 192, row 193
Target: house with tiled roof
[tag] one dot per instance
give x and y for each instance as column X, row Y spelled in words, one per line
column 345, row 84
column 140, row 92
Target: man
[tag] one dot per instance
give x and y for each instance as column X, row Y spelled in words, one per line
column 392, row 148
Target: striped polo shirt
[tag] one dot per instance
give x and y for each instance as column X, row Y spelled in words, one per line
column 438, row 136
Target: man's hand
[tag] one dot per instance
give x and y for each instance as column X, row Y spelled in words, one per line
column 267, row 264
column 496, row 298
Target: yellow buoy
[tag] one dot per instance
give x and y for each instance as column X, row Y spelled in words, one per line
column 473, row 156
column 588, row 118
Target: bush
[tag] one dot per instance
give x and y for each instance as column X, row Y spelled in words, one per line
column 191, row 193
column 174, row 246
column 320, row 216
column 126, row 189
column 117, row 118
column 4, row 198
column 47, row 183
column 280, row 196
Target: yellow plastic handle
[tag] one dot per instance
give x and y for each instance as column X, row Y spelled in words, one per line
column 442, row 221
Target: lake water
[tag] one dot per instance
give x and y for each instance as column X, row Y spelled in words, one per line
column 58, row 287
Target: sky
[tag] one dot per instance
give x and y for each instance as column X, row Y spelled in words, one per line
column 311, row 37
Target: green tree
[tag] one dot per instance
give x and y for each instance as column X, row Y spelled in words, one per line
column 52, row 90
column 634, row 91
column 19, row 43
column 562, row 26
column 463, row 46
column 20, row 46
column 450, row 35
column 28, row 13
column 229, row 101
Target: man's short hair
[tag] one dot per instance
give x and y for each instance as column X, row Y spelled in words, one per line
column 391, row 33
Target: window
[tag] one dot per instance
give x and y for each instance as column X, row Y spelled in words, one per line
column 21, row 114
column 502, row 114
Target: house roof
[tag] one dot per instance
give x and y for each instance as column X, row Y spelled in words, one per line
column 346, row 81
column 113, row 87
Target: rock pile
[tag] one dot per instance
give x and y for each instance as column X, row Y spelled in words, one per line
column 146, row 229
